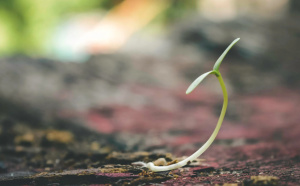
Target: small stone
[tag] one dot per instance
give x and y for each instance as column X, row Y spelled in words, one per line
column 25, row 140
column 63, row 137
column 49, row 163
column 264, row 180
column 95, row 146
column 160, row 162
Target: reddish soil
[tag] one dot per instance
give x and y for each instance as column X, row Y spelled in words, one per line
column 257, row 144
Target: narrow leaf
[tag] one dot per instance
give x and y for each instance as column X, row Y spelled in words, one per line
column 197, row 82
column 219, row 61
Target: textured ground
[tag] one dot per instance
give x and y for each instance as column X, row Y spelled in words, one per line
column 257, row 144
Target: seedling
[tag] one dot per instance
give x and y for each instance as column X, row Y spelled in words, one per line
column 217, row 73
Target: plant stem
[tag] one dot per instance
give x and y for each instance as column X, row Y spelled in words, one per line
column 154, row 168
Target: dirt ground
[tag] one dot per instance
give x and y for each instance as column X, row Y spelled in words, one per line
column 257, row 145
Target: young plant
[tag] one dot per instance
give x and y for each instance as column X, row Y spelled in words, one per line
column 217, row 73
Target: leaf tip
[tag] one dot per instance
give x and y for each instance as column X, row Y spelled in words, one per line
column 219, row 61
column 197, row 81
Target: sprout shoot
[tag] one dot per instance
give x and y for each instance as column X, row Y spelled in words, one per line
column 216, row 72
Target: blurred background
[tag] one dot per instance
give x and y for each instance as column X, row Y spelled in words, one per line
column 110, row 75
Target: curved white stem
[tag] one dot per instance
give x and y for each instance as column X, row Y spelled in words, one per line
column 182, row 163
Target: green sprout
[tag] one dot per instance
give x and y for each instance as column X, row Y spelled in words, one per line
column 217, row 73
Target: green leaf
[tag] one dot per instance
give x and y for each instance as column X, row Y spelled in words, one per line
column 219, row 61
column 198, row 81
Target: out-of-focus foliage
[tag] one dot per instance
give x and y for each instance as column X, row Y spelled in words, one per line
column 25, row 26
column 178, row 9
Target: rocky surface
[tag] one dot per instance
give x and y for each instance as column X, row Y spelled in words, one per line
column 257, row 144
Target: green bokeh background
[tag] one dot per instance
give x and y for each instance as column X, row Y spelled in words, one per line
column 27, row 25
